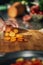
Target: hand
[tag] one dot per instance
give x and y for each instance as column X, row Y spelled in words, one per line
column 13, row 22
column 2, row 25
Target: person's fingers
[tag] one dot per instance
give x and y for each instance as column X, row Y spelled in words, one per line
column 2, row 25
column 14, row 25
column 13, row 22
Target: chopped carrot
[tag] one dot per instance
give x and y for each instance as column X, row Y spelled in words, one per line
column 8, row 29
column 13, row 39
column 6, row 34
column 19, row 35
column 19, row 39
column 12, row 34
column 6, row 38
column 15, row 30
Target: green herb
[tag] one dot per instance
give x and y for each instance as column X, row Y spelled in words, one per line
column 23, row 1
column 41, row 4
column 12, row 1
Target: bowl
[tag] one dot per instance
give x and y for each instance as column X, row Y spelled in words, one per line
column 10, row 58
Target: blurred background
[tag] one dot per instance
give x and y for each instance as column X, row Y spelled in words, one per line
column 11, row 1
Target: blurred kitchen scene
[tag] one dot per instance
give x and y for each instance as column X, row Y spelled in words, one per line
column 22, row 15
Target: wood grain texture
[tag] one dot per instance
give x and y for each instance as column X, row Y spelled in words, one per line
column 34, row 42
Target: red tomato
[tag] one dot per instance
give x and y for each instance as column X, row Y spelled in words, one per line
column 33, row 12
column 37, row 7
column 34, row 9
column 27, row 62
column 27, row 17
column 37, row 62
column 40, row 13
column 19, row 63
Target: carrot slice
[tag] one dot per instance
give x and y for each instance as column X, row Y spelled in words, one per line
column 13, row 39
column 6, row 34
column 15, row 31
column 7, row 38
column 12, row 34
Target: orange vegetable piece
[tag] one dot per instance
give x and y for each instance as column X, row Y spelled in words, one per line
column 6, row 38
column 19, row 35
column 12, row 34
column 13, row 39
column 8, row 29
column 6, row 34
column 20, row 39
column 15, row 30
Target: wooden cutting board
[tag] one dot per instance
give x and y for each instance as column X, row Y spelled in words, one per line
column 34, row 41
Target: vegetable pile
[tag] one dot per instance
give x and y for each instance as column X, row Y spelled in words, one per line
column 28, row 62
column 12, row 34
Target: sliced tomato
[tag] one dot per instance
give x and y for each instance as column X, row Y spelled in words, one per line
column 27, row 62
column 19, row 63
column 41, row 13
column 33, row 12
column 27, row 17
column 37, row 62
column 34, row 9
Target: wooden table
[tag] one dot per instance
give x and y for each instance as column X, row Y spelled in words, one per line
column 34, row 42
